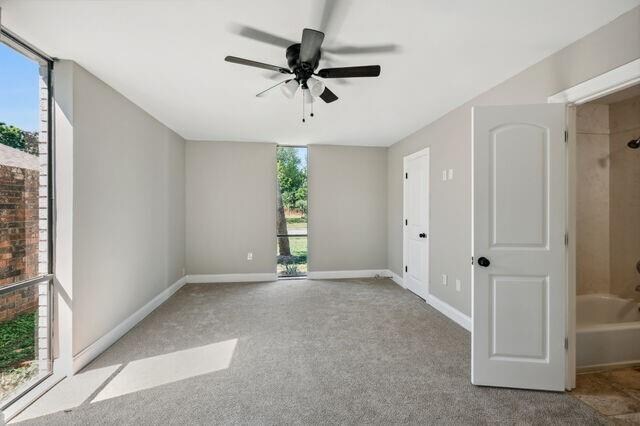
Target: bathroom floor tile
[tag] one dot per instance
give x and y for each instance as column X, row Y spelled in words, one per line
column 598, row 392
column 627, row 419
column 627, row 379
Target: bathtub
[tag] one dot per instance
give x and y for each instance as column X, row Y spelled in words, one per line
column 607, row 331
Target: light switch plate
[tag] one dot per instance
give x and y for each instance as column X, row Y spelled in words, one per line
column 444, row 279
column 249, row 256
column 450, row 174
column 444, row 175
column 458, row 285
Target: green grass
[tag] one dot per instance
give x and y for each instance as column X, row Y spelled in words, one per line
column 17, row 341
column 291, row 220
column 296, row 264
column 297, row 225
column 298, row 246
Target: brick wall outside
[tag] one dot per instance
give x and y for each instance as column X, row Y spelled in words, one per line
column 19, row 237
column 24, row 229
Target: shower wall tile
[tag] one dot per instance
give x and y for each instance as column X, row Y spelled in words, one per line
column 625, row 198
column 592, row 221
column 593, row 273
column 592, row 118
column 625, row 115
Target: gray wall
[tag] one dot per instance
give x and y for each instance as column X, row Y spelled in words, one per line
column 231, row 207
column 450, row 140
column 128, row 206
column 347, row 208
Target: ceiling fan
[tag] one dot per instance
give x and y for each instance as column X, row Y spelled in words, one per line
column 303, row 59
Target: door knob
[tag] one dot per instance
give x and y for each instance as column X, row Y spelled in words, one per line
column 422, row 235
column 484, row 262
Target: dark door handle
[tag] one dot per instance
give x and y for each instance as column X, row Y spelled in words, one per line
column 422, row 235
column 484, row 262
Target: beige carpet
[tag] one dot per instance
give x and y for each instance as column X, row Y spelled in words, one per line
column 297, row 352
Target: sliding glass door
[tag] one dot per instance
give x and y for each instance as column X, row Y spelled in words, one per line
column 25, row 219
column 291, row 214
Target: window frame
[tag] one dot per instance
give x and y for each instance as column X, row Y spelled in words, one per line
column 22, row 47
column 306, row 234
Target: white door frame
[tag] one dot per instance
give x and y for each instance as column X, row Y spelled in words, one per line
column 405, row 161
column 612, row 81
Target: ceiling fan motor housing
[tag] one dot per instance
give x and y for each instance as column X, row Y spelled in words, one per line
column 302, row 70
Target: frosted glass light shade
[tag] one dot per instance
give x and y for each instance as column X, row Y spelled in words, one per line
column 316, row 87
column 289, row 88
column 306, row 94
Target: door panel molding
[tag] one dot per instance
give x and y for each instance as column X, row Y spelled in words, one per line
column 415, row 235
column 519, row 223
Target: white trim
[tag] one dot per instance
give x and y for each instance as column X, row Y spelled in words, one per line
column 450, row 312
column 230, row 278
column 396, row 278
column 333, row 275
column 30, row 397
column 602, row 85
column 425, row 151
column 96, row 348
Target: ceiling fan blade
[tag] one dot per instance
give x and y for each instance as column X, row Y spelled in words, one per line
column 261, row 36
column 328, row 96
column 272, row 87
column 310, row 45
column 242, row 61
column 361, row 50
column 347, row 72
column 333, row 13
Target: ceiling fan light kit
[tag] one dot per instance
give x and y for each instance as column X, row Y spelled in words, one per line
column 302, row 60
column 290, row 88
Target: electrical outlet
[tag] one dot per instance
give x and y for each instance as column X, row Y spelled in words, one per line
column 450, row 174
column 444, row 175
column 444, row 279
column 458, row 285
column 249, row 256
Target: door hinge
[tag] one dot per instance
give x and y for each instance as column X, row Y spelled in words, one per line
column 566, row 343
column 406, row 269
column 406, row 175
column 566, row 239
column 566, row 136
column 472, row 260
column 406, row 222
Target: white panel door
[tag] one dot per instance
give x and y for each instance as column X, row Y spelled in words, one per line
column 416, row 229
column 519, row 276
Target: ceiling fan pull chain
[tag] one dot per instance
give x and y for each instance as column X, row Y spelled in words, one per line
column 311, row 110
column 303, row 120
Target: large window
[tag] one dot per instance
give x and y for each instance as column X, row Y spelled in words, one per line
column 292, row 211
column 25, row 231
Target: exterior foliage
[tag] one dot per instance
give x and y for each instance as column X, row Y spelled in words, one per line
column 19, row 139
column 293, row 180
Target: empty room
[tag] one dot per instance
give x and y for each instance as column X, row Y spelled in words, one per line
column 319, row 212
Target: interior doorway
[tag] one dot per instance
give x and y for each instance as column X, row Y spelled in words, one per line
column 292, row 211
column 416, row 223
column 607, row 247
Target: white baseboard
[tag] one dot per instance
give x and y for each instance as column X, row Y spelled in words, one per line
column 396, row 278
column 96, row 348
column 333, row 275
column 230, row 278
column 450, row 312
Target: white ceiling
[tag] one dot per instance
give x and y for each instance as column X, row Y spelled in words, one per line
column 167, row 57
